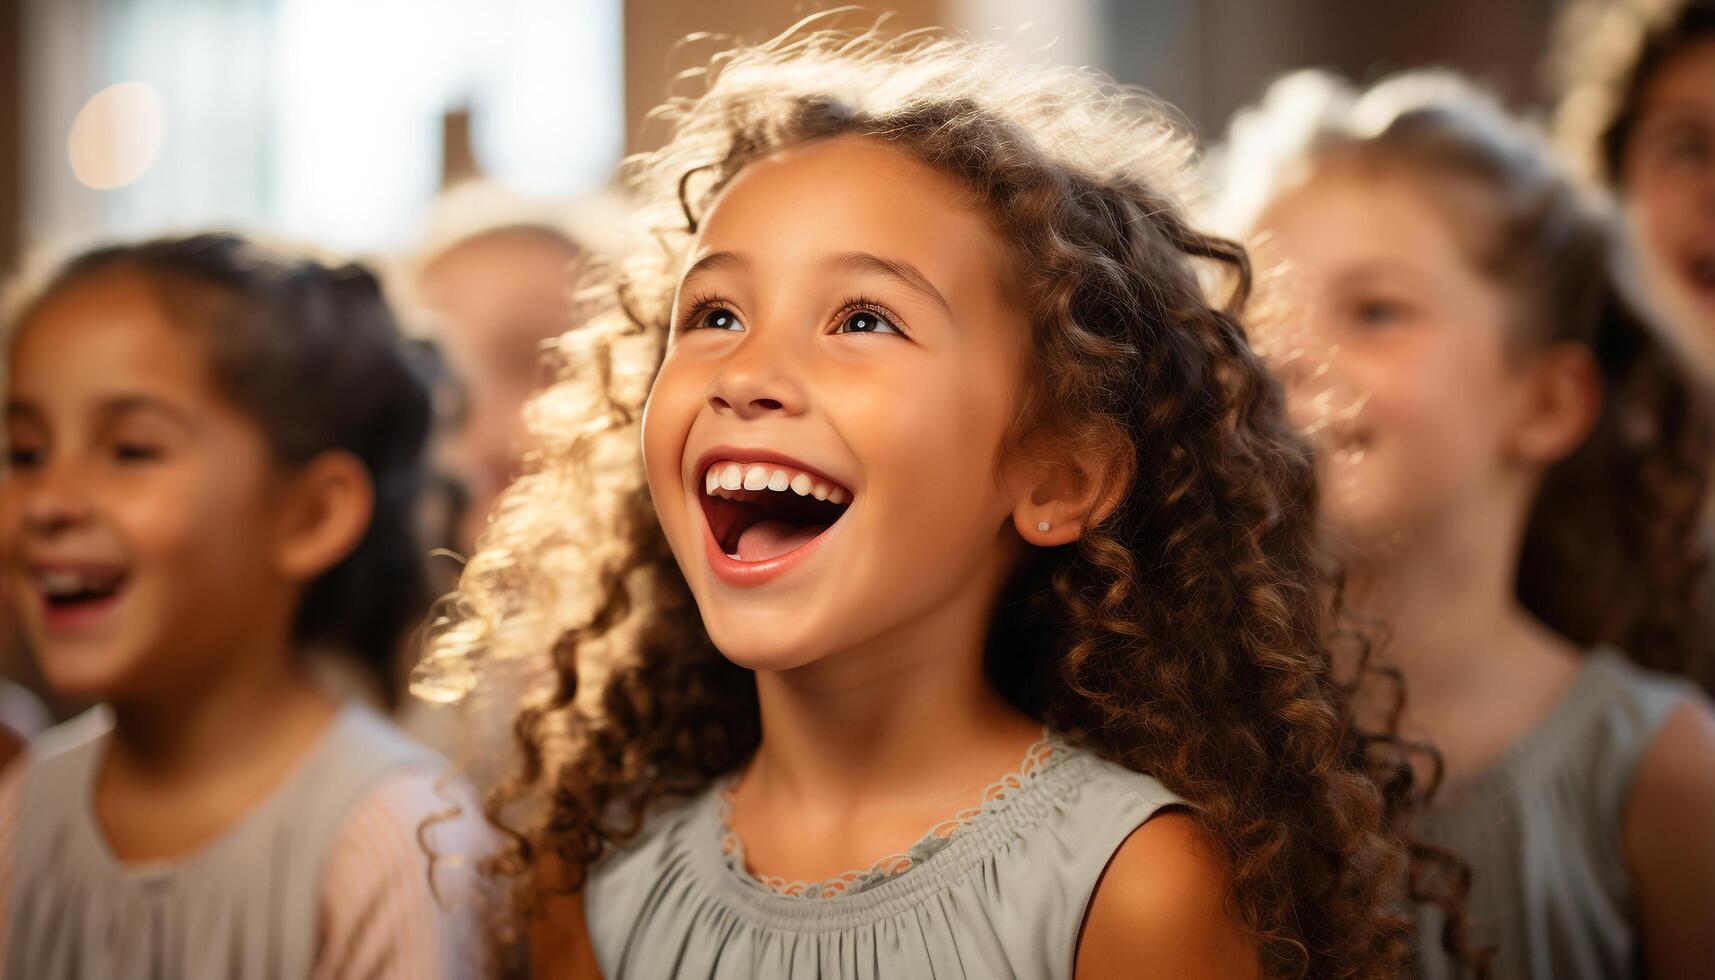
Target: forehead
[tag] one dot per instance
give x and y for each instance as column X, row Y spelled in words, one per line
column 852, row 193
column 1352, row 211
column 499, row 260
column 1687, row 78
column 106, row 332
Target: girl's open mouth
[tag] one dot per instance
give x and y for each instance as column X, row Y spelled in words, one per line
column 761, row 512
column 74, row 596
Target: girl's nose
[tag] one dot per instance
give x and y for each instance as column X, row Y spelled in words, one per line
column 756, row 382
column 52, row 502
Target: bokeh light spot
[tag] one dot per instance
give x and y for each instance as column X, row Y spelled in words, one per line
column 117, row 135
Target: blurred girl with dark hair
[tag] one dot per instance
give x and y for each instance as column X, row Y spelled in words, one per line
column 213, row 456
column 1518, row 465
column 1638, row 109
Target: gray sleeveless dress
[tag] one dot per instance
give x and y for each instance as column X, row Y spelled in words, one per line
column 1003, row 896
column 1542, row 831
column 243, row 907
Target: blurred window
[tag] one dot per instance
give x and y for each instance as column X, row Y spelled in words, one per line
column 316, row 119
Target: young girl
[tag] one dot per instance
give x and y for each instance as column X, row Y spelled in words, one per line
column 1639, row 109
column 960, row 617
column 213, row 455
column 1519, row 467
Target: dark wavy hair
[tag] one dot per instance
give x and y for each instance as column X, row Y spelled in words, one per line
column 314, row 355
column 1605, row 56
column 1185, row 635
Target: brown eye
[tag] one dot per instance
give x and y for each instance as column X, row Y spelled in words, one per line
column 1379, row 313
column 716, row 318
column 866, row 321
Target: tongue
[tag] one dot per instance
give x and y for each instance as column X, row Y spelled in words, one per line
column 771, row 539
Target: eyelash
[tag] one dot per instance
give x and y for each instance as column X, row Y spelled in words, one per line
column 702, row 303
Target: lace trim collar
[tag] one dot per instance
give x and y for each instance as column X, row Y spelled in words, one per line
column 1037, row 759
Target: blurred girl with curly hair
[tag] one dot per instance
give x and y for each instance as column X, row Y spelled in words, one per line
column 961, row 615
column 1517, row 461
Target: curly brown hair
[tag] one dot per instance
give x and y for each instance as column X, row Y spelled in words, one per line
column 1186, row 635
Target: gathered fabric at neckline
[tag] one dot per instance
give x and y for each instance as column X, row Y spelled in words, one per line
column 1037, row 758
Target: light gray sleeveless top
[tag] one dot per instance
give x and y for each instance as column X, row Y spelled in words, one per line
column 1004, row 896
column 1542, row 831
column 242, row 907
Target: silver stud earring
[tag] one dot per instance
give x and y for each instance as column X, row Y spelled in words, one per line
column 1042, row 525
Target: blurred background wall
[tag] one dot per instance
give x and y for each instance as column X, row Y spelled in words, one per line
column 337, row 121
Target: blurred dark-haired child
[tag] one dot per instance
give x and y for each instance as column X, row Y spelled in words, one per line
column 1637, row 108
column 214, row 454
column 1517, row 463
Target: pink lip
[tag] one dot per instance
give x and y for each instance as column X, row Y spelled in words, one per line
column 749, row 574
column 80, row 617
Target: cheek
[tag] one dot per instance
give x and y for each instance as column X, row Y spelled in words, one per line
column 1666, row 209
column 673, row 406
column 197, row 527
column 1427, row 419
column 928, row 441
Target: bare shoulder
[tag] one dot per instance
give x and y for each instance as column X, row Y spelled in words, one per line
column 1667, row 844
column 560, row 947
column 1674, row 788
column 1160, row 910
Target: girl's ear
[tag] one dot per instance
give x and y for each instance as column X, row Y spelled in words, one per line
column 1561, row 402
column 325, row 512
column 1057, row 497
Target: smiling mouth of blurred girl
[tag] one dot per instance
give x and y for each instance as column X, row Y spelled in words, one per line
column 72, row 595
column 761, row 513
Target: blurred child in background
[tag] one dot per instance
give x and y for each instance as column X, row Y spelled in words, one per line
column 497, row 296
column 213, row 458
column 1518, row 466
column 1639, row 111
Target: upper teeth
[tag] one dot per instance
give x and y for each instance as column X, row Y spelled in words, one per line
column 59, row 582
column 728, row 475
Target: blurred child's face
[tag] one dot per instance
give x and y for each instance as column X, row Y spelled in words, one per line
column 1669, row 182
column 499, row 299
column 133, row 507
column 1394, row 353
column 822, row 438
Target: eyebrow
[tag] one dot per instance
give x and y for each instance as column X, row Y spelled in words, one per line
column 1677, row 107
column 18, row 410
column 903, row 273
column 125, row 404
column 715, row 261
column 1390, row 269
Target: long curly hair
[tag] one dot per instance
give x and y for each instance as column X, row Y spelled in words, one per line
column 1186, row 635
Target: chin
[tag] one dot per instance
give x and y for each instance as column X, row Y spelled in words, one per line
column 756, row 648
column 86, row 675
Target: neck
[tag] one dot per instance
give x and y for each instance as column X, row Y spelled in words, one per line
column 898, row 713
column 1446, row 600
column 222, row 719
